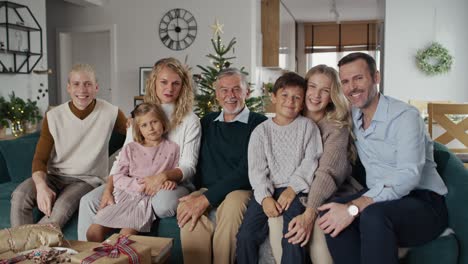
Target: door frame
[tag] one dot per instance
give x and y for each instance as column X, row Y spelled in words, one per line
column 112, row 30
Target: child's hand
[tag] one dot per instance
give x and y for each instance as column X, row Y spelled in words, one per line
column 152, row 184
column 271, row 207
column 169, row 185
column 286, row 198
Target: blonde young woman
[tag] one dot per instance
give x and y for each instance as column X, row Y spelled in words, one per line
column 327, row 106
column 169, row 86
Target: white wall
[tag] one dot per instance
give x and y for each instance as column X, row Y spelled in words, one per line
column 138, row 43
column 26, row 85
column 410, row 26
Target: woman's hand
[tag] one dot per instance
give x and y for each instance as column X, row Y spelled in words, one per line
column 286, row 198
column 270, row 207
column 169, row 185
column 301, row 227
column 152, row 184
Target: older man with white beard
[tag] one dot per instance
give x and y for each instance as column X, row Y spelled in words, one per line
column 222, row 176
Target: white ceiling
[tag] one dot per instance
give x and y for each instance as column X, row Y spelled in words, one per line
column 319, row 10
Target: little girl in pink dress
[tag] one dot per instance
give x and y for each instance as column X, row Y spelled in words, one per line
column 149, row 154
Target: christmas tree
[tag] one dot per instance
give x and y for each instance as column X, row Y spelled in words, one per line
column 205, row 96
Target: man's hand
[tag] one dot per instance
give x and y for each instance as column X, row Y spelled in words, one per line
column 107, row 198
column 301, row 227
column 191, row 207
column 336, row 219
column 270, row 207
column 152, row 184
column 286, row 198
column 169, row 185
column 45, row 198
column 44, row 195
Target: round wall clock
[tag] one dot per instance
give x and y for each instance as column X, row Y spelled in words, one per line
column 178, row 29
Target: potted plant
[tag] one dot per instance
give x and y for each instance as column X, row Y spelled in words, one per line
column 20, row 113
column 3, row 117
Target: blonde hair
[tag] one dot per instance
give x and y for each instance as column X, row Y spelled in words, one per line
column 83, row 67
column 184, row 102
column 141, row 110
column 338, row 110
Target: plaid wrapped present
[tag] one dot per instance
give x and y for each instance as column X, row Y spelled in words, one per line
column 117, row 249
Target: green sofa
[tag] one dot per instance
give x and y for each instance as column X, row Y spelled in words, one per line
column 15, row 166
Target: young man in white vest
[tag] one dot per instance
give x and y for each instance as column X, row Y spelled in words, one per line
column 71, row 155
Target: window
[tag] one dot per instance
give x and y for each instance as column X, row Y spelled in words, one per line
column 331, row 58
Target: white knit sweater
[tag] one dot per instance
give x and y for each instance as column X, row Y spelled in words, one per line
column 187, row 135
column 81, row 146
column 282, row 156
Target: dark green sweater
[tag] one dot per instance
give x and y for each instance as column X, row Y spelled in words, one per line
column 222, row 163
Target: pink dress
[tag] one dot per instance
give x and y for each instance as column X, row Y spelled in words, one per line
column 132, row 208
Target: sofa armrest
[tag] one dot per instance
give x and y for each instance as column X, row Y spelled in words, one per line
column 455, row 176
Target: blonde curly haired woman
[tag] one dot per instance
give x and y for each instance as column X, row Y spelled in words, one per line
column 169, row 85
column 327, row 106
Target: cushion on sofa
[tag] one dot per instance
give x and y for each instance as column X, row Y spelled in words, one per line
column 167, row 227
column 4, row 177
column 455, row 176
column 5, row 207
column 18, row 155
column 442, row 250
column 7, row 188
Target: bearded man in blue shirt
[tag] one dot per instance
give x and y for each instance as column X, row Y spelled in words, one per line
column 403, row 205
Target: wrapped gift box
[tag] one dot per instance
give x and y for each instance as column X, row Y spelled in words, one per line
column 39, row 255
column 21, row 238
column 160, row 246
column 143, row 251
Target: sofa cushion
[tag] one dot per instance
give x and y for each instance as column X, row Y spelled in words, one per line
column 168, row 227
column 18, row 155
column 5, row 207
column 4, row 177
column 7, row 189
column 442, row 250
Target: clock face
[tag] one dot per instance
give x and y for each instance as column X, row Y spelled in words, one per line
column 178, row 29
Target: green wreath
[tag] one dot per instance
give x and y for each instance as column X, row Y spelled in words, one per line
column 434, row 60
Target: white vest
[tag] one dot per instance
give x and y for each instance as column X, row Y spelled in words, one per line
column 81, row 146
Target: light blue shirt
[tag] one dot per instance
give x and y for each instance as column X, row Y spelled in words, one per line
column 396, row 151
column 242, row 117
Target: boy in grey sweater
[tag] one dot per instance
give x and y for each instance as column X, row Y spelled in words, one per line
column 282, row 157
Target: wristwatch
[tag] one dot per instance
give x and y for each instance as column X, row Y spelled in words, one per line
column 353, row 210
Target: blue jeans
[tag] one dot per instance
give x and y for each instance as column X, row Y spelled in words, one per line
column 375, row 235
column 254, row 230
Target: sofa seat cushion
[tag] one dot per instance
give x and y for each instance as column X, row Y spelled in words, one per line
column 5, row 207
column 4, row 177
column 7, row 190
column 18, row 155
column 442, row 250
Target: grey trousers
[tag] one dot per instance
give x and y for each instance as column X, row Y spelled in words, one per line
column 164, row 205
column 68, row 190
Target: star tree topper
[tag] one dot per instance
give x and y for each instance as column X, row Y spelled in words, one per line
column 217, row 28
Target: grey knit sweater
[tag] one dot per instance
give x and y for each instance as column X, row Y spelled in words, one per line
column 282, row 156
column 334, row 166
